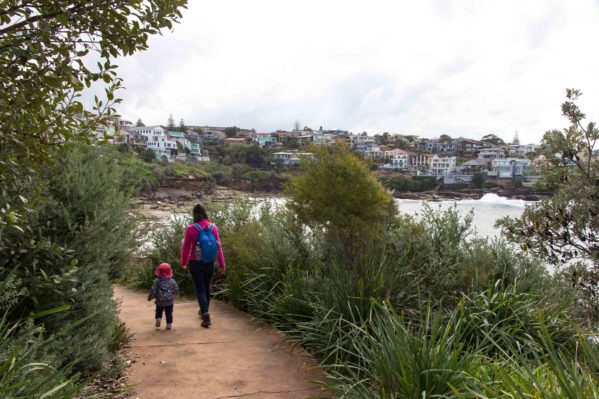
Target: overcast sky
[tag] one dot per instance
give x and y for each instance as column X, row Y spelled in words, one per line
column 427, row 67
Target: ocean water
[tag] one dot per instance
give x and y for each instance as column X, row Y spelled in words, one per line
column 486, row 211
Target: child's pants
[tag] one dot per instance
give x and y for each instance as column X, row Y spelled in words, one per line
column 168, row 310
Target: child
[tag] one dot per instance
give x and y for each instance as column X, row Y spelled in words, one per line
column 164, row 289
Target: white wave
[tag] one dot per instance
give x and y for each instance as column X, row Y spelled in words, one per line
column 491, row 198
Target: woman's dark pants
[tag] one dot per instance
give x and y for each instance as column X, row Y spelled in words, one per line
column 202, row 276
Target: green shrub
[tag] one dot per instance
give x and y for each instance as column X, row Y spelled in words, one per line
column 78, row 237
column 184, row 169
column 162, row 245
column 403, row 183
column 138, row 175
column 478, row 180
column 219, row 172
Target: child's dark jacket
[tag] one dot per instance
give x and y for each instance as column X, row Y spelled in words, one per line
column 164, row 290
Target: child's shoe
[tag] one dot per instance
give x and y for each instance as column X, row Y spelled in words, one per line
column 157, row 324
column 169, row 326
column 206, row 320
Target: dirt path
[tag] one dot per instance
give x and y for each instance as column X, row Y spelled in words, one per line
column 235, row 358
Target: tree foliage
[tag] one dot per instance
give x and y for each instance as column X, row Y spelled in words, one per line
column 46, row 63
column 64, row 225
column 564, row 229
column 231, row 131
column 493, row 139
column 337, row 191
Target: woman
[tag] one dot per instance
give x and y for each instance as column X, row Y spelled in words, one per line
column 201, row 271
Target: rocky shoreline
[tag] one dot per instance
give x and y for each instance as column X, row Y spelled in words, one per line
column 522, row 193
column 157, row 207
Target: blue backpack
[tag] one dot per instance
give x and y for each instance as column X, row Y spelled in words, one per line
column 206, row 247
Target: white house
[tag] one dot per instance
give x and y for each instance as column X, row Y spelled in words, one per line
column 419, row 162
column 441, row 166
column 159, row 140
column 397, row 159
column 373, row 153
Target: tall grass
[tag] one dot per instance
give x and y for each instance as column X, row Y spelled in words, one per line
column 27, row 370
column 425, row 310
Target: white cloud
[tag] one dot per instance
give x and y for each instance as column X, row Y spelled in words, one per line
column 428, row 67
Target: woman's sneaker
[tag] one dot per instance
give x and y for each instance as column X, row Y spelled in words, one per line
column 206, row 320
column 169, row 326
column 157, row 324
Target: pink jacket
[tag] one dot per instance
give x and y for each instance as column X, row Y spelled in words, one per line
column 191, row 236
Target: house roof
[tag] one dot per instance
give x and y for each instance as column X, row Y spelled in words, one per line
column 475, row 162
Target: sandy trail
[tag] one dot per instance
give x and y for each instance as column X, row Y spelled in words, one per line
column 234, row 358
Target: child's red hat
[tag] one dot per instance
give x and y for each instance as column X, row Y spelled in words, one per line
column 164, row 270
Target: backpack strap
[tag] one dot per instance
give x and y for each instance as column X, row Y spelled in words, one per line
column 210, row 227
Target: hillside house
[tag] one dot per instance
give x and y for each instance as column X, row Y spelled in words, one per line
column 361, row 143
column 323, row 138
column 509, row 168
column 473, row 167
column 470, row 148
column 436, row 146
column 180, row 138
column 215, row 134
column 419, row 163
column 290, row 159
column 524, row 149
column 158, row 139
column 396, row 159
column 284, row 137
column 490, row 154
column 263, row 139
column 441, row 166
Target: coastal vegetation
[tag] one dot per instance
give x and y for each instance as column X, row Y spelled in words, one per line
column 65, row 228
column 411, row 184
column 563, row 229
column 148, row 174
column 58, row 267
column 393, row 306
